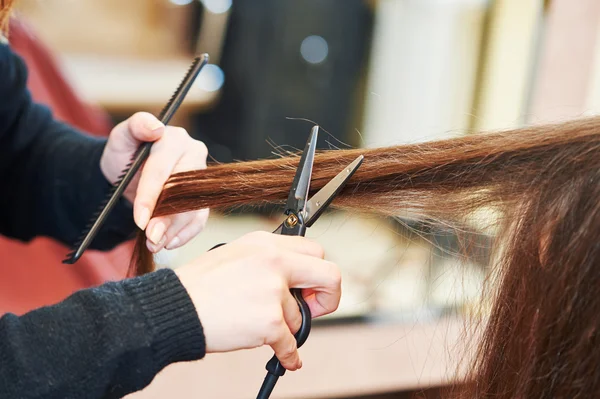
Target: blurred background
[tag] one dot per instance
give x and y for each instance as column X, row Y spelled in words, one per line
column 372, row 73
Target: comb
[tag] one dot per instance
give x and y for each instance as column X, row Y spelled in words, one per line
column 97, row 220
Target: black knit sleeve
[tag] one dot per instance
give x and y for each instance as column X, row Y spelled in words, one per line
column 49, row 172
column 105, row 342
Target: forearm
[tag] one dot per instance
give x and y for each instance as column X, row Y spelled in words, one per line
column 104, row 342
column 49, row 173
column 56, row 186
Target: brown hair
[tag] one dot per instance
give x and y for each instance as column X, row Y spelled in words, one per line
column 541, row 338
column 5, row 11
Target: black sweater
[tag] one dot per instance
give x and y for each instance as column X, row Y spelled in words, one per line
column 104, row 342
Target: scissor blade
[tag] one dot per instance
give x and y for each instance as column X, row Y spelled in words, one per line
column 321, row 200
column 279, row 229
column 301, row 185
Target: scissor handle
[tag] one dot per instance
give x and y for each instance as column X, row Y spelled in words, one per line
column 217, row 246
column 274, row 366
column 304, row 331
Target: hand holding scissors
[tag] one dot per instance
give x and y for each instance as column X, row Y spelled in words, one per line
column 300, row 213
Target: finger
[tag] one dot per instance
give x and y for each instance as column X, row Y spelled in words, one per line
column 156, row 233
column 285, row 348
column 157, row 227
column 296, row 244
column 143, row 126
column 318, row 307
column 176, row 223
column 195, row 157
column 196, row 223
column 322, row 277
column 291, row 313
column 155, row 248
column 159, row 166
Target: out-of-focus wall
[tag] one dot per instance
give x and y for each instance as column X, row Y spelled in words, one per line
column 423, row 69
column 567, row 62
column 507, row 64
column 136, row 28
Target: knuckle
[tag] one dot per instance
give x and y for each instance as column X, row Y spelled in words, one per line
column 273, row 257
column 178, row 133
column 257, row 260
column 289, row 350
column 335, row 275
column 262, row 238
column 273, row 330
column 312, row 248
column 181, row 132
column 274, row 322
column 140, row 115
column 275, row 285
column 261, row 234
column 318, row 250
column 201, row 217
column 201, row 147
column 255, row 235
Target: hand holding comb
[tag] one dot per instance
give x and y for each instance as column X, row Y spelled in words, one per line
column 99, row 217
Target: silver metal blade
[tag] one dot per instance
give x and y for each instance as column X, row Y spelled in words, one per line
column 304, row 180
column 301, row 184
column 321, row 200
column 278, row 229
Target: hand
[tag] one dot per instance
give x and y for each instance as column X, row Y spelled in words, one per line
column 241, row 292
column 173, row 151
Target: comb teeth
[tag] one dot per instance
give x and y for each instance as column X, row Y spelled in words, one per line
column 185, row 81
column 70, row 259
column 98, row 218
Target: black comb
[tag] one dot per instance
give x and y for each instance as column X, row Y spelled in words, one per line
column 97, row 220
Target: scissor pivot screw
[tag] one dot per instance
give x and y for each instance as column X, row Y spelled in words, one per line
column 291, row 220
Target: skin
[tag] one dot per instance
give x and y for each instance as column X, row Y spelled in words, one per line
column 173, row 151
column 241, row 291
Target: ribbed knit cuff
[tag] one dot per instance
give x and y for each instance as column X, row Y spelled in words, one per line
column 178, row 333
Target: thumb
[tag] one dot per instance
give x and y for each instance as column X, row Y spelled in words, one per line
column 286, row 348
column 140, row 127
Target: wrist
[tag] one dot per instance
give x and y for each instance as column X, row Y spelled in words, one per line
column 187, row 281
column 170, row 312
column 111, row 171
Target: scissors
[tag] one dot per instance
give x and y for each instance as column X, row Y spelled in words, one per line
column 301, row 213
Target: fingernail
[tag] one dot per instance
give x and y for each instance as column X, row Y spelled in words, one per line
column 156, row 125
column 160, row 244
column 143, row 218
column 151, row 247
column 157, row 232
column 155, row 248
column 174, row 243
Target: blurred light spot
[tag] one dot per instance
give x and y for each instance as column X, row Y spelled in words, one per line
column 217, row 6
column 211, row 78
column 314, row 49
column 181, row 2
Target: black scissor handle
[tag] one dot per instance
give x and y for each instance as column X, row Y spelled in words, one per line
column 274, row 365
column 304, row 331
column 217, row 246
